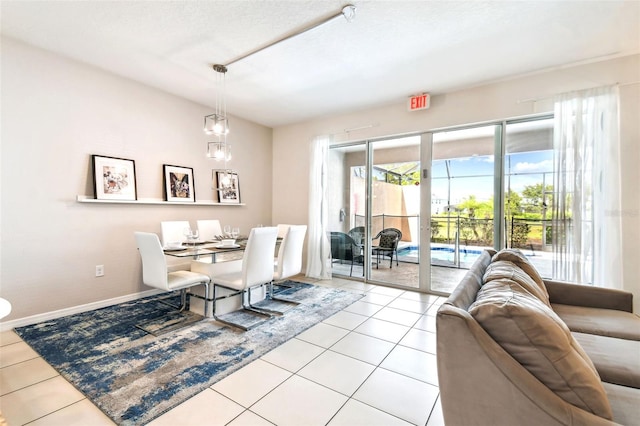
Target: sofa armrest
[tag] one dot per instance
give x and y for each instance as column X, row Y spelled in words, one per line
column 564, row 293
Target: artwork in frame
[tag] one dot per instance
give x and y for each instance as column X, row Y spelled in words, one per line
column 178, row 184
column 114, row 178
column 227, row 186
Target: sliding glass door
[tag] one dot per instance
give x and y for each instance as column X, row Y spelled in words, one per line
column 463, row 201
column 417, row 211
column 395, row 211
column 528, row 179
column 347, row 199
column 374, row 210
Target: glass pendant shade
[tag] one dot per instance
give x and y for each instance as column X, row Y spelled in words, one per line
column 226, row 180
column 219, row 151
column 216, row 124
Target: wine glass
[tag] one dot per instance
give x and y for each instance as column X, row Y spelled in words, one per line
column 194, row 234
column 187, row 234
column 227, row 231
column 235, row 233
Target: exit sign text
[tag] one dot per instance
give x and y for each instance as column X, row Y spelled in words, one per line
column 419, row 102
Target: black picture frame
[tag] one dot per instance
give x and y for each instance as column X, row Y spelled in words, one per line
column 230, row 195
column 178, row 183
column 114, row 178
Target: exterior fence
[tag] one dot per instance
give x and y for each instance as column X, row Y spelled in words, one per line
column 533, row 234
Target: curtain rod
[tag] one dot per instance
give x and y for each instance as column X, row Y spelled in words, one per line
column 349, row 13
column 520, row 101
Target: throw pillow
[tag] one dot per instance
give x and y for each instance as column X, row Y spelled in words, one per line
column 506, row 269
column 538, row 339
column 516, row 256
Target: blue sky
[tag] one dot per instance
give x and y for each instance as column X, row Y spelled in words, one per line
column 474, row 175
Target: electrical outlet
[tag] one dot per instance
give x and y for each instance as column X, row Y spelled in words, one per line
column 99, row 270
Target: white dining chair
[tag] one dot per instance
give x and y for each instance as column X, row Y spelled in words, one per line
column 209, row 229
column 255, row 270
column 173, row 231
column 155, row 273
column 289, row 261
column 282, row 229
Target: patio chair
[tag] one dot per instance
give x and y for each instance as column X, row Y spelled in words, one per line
column 357, row 234
column 344, row 248
column 387, row 245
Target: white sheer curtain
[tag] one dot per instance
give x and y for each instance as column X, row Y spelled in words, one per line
column 586, row 220
column 318, row 264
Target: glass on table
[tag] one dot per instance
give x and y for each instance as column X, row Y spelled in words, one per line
column 194, row 236
column 191, row 235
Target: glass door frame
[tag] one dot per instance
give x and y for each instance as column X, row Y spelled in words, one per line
column 369, row 144
column 426, row 194
column 499, row 184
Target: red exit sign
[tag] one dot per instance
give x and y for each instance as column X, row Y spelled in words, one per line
column 418, row 102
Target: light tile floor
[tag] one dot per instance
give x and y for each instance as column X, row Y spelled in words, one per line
column 373, row 363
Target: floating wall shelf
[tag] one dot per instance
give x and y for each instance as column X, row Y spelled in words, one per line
column 154, row 201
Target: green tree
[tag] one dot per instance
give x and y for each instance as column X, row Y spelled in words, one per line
column 512, row 203
column 435, row 229
column 474, row 208
column 535, row 200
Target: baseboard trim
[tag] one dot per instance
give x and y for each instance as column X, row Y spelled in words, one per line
column 33, row 319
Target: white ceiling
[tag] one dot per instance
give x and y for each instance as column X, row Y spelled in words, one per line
column 391, row 50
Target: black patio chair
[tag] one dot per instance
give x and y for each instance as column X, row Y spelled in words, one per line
column 387, row 245
column 345, row 249
column 357, row 234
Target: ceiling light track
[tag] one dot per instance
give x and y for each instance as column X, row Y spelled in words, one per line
column 349, row 13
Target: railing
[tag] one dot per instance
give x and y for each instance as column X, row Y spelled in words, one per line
column 408, row 225
column 461, row 230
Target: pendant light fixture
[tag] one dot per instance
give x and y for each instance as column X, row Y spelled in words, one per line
column 217, row 123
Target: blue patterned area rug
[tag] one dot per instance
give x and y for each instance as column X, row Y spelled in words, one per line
column 134, row 377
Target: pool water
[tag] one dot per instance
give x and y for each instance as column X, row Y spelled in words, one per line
column 444, row 254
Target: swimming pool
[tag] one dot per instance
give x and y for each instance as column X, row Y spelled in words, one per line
column 442, row 253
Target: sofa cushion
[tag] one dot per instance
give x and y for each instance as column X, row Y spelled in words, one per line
column 507, row 269
column 603, row 322
column 538, row 339
column 617, row 360
column 624, row 403
column 516, row 256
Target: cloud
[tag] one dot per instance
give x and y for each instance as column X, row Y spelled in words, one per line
column 542, row 166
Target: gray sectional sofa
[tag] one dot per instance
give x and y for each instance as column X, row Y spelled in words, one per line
column 514, row 349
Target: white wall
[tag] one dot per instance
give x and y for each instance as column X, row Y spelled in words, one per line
column 56, row 113
column 506, row 99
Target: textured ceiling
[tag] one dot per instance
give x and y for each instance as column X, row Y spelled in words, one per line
column 390, row 51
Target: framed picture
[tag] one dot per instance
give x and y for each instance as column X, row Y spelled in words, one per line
column 114, row 178
column 178, row 183
column 227, row 186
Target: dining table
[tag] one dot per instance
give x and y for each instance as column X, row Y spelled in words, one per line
column 196, row 249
